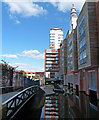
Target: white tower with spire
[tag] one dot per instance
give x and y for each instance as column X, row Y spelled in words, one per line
column 73, row 19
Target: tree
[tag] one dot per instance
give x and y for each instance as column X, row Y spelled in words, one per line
column 23, row 73
column 7, row 74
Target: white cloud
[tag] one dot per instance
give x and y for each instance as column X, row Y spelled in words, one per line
column 19, row 64
column 33, row 54
column 25, row 8
column 17, row 22
column 29, row 68
column 65, row 5
column 9, row 56
column 27, row 53
column 28, row 8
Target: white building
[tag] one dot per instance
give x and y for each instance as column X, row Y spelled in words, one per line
column 73, row 19
column 56, row 37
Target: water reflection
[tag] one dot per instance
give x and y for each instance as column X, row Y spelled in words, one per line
column 78, row 105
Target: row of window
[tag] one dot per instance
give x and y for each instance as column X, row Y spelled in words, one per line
column 83, row 55
column 51, row 66
column 52, row 42
column 60, row 34
column 52, row 36
column 51, row 59
column 83, row 61
column 60, row 37
column 50, row 51
column 82, row 19
column 70, row 41
column 50, row 69
column 52, row 45
column 49, row 55
column 49, row 62
column 52, row 33
column 83, row 42
column 70, row 48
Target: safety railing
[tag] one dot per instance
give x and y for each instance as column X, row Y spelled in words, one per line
column 14, row 104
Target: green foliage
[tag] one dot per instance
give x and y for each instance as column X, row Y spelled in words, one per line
column 23, row 73
column 35, row 77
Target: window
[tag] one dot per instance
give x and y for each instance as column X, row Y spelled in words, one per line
column 82, row 41
column 49, row 51
column 52, row 36
column 70, row 41
column 83, row 59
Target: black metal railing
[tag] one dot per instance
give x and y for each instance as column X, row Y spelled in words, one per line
column 14, row 104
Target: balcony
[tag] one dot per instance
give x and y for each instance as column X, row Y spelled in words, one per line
column 51, row 63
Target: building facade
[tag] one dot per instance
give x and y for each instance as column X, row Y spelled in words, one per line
column 72, row 57
column 63, row 60
column 82, row 51
column 87, row 41
column 33, row 75
column 52, row 65
column 56, row 37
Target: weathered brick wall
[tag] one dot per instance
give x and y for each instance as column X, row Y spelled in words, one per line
column 97, row 17
column 93, row 32
column 65, row 56
column 89, row 11
column 75, row 53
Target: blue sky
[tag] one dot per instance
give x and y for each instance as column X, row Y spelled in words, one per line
column 25, row 31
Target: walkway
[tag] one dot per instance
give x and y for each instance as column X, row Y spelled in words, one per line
column 48, row 91
column 7, row 96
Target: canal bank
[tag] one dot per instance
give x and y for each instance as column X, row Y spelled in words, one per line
column 59, row 105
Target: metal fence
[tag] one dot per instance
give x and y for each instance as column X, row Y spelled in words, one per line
column 13, row 105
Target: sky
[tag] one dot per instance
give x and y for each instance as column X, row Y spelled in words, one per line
column 26, row 26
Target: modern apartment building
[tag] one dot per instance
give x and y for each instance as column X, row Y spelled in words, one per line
column 82, row 51
column 87, row 41
column 63, row 60
column 69, row 51
column 56, row 37
column 97, row 18
column 72, row 57
column 52, row 65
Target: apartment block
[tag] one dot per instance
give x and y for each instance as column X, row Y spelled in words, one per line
column 52, row 65
column 82, row 51
column 97, row 18
column 87, row 41
column 56, row 37
column 63, row 60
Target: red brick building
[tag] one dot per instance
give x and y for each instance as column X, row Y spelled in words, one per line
column 83, row 51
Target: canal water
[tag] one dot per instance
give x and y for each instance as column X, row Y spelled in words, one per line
column 76, row 105
column 60, row 106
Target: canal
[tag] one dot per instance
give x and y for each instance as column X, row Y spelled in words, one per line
column 61, row 105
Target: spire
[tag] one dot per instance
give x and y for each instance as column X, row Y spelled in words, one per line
column 72, row 5
column 73, row 11
column 73, row 17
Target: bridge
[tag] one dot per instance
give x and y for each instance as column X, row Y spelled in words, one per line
column 12, row 106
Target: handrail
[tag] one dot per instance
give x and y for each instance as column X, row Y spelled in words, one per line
column 16, row 95
column 16, row 102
